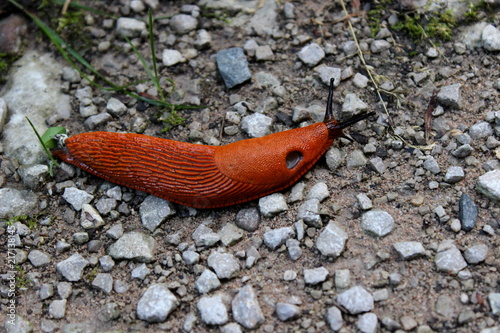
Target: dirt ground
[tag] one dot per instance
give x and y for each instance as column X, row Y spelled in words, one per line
column 402, row 190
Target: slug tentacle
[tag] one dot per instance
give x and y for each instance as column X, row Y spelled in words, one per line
column 205, row 176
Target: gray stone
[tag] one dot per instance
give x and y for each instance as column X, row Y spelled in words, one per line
column 449, row 259
column 377, row 223
column 154, row 211
column 309, row 213
column 257, row 125
column 39, row 258
column 333, row 158
column 494, row 299
column 360, row 80
column 365, row 203
column 116, row 107
column 190, row 257
column 140, row 272
column 64, row 289
column 450, row 96
column 156, row 304
column 356, row 300
column 90, row 218
column 356, row 159
column 327, row 73
column 231, row 328
column 431, row 165
column 315, row 275
column 182, row 23
column 33, row 175
column 263, row 53
column 246, row 308
column 230, row 234
column 203, row 39
column 107, row 263
column 377, row 164
column 264, row 20
column 334, row 318
column 46, row 291
column 130, row 27
column 349, row 48
column 319, row 191
column 225, row 265
column 172, row 57
column 72, row 268
column 273, row 204
column 409, row 250
column 212, row 310
column 480, row 130
column 204, row 236
column 93, row 121
column 467, row 212
column 133, row 246
column 103, row 282
column 294, row 250
column 207, row 282
column 379, row 45
column 367, row 323
column 288, row 10
column 491, row 38
column 277, row 237
column 352, row 105
column 489, row 184
column 311, row 54
column 248, row 219
column 476, row 253
column 286, row 311
column 463, row 151
column 331, row 241
column 15, row 202
column 57, row 309
column 445, row 306
column 252, row 256
column 454, row 174
column 297, row 192
column 233, row 66
column 76, row 198
column 390, row 324
column 115, row 232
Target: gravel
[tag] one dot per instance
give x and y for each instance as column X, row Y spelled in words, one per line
column 156, row 304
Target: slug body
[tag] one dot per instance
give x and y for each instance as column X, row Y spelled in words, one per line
column 203, row 176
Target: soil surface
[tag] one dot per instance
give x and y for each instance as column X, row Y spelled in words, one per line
column 406, row 189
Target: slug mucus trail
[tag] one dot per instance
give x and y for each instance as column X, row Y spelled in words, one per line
column 204, row 176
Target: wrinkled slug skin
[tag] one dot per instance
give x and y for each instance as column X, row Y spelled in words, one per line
column 197, row 175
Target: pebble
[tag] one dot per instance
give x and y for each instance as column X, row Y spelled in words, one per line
column 225, row 265
column 57, row 309
column 103, row 282
column 480, row 130
column 207, row 282
column 445, row 306
column 390, row 324
column 327, row 73
column 454, row 174
column 431, row 165
column 231, row 328
column 319, row 191
column 315, row 275
column 156, row 304
column 379, row 45
column 476, row 253
column 286, row 311
column 377, row 223
column 183, row 23
column 246, row 309
column 212, row 310
column 294, row 250
column 311, row 54
column 64, row 289
column 309, row 213
column 463, row 151
column 129, row 27
column 93, row 121
column 494, row 299
column 467, row 212
column 46, row 291
column 133, row 246
column 203, row 39
column 72, row 268
column 297, row 192
column 154, row 211
column 33, row 175
column 273, row 204
column 364, row 201
column 204, row 236
column 356, row 159
column 360, row 80
column 39, row 258
column 332, row 239
column 172, row 57
column 277, row 237
column 263, row 53
column 115, row 107
column 115, row 232
column 230, row 234
column 489, row 185
column 491, row 38
column 449, row 259
column 90, row 218
column 264, row 19
column 377, row 164
column 252, row 256
column 233, row 66
column 409, row 250
column 352, row 105
column 349, row 48
column 107, row 263
column 140, row 272
column 356, row 300
column 257, row 125
column 76, row 198
column 450, row 96
column 248, row 219
column 334, row 318
column 367, row 323
column 190, row 257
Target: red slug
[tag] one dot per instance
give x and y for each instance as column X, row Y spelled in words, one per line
column 203, row 176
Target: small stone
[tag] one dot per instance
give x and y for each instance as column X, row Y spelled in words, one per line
column 319, row 191
column 454, row 174
column 445, row 306
column 463, row 151
column 93, row 121
column 133, row 246
column 207, row 282
column 64, row 289
column 156, row 304
column 212, row 310
column 379, row 45
column 491, row 38
column 257, row 125
column 489, row 184
column 277, row 237
column 103, row 282
column 140, row 272
column 364, row 201
column 334, row 318
column 76, row 197
column 328, row 73
column 225, row 265
column 154, row 211
column 409, row 250
column 39, row 258
column 431, row 164
column 230, row 234
column 481, row 130
column 90, row 218
column 182, row 23
column 450, row 260
column 309, row 213
column 273, row 204
column 172, row 57
column 233, row 66
column 246, row 309
column 367, row 323
column 450, row 96
column 377, row 223
column 263, row 53
column 315, row 275
column 129, row 27
column 46, row 291
column 311, row 54
column 116, row 107
column 352, row 105
column 360, row 80
column 203, row 39
column 190, row 257
column 115, row 232
column 331, row 241
column 476, row 254
column 107, row 263
column 467, row 212
column 80, row 237
column 356, row 159
column 286, row 311
column 248, row 219
column 494, row 299
column 72, row 268
column 356, row 300
column 57, row 309
column 377, row 164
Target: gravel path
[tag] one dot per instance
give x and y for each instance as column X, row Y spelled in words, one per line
column 395, row 229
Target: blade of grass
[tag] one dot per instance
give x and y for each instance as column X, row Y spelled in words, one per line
column 47, row 151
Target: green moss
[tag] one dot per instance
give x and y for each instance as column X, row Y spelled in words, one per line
column 376, row 15
column 439, row 27
column 30, row 221
column 171, row 119
column 411, row 25
column 6, row 60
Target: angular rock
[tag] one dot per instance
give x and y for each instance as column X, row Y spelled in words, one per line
column 315, row 275
column 246, row 309
column 476, row 253
column 331, row 241
column 489, row 184
column 409, row 250
column 277, row 237
column 207, row 282
column 286, row 311
column 72, row 268
column 257, row 125
column 356, row 300
column 311, row 54
column 212, row 310
column 450, row 260
column 450, row 96
column 377, row 223
column 233, row 66
column 182, row 23
column 272, row 204
column 156, row 304
column 15, row 203
column 154, row 211
column 225, row 265
column 467, row 212
column 77, row 198
column 334, row 318
column 133, row 246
